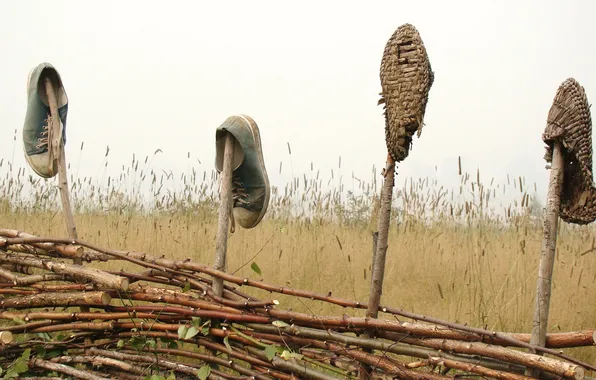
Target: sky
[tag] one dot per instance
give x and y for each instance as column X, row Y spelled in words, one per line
column 145, row 75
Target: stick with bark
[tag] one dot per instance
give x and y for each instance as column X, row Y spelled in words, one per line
column 225, row 209
column 571, row 192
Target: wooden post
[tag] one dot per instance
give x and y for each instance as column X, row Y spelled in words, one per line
column 364, row 371
column 225, row 209
column 378, row 266
column 375, row 239
column 57, row 145
column 59, row 155
column 380, row 246
column 547, row 254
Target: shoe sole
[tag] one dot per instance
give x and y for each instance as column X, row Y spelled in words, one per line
column 254, row 129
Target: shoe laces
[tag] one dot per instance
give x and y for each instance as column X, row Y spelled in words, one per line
column 239, row 193
column 239, row 196
column 44, row 139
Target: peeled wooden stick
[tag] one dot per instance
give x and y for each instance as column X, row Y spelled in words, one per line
column 66, row 249
column 6, row 337
column 475, row 368
column 376, row 284
column 99, row 361
column 225, row 209
column 58, row 147
column 57, row 367
column 56, row 299
column 547, row 253
column 125, row 357
column 161, row 263
column 95, row 275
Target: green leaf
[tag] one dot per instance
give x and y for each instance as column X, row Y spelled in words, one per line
column 296, row 355
column 227, row 343
column 280, row 324
column 171, row 376
column 191, row 332
column 151, row 343
column 26, row 354
column 285, row 355
column 255, row 268
column 44, row 336
column 137, row 342
column 40, row 351
column 196, row 321
column 205, row 327
column 120, row 343
column 53, row 353
column 270, row 351
column 20, row 366
column 182, row 331
column 173, row 345
column 186, row 287
column 204, row 372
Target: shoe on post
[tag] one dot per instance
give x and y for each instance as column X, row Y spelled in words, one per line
column 37, row 134
column 250, row 184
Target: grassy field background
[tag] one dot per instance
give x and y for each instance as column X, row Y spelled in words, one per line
column 459, row 254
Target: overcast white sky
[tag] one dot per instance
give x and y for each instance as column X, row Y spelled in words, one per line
column 143, row 75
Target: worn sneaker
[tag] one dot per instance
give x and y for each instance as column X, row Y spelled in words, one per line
column 37, row 138
column 250, row 184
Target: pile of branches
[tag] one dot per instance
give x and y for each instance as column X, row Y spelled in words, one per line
column 161, row 320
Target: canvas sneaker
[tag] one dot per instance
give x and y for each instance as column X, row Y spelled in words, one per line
column 250, row 184
column 37, row 134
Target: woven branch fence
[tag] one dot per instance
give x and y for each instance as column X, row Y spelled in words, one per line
column 161, row 320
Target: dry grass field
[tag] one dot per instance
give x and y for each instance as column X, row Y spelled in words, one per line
column 448, row 257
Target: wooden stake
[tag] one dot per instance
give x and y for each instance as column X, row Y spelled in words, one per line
column 378, row 266
column 379, row 253
column 60, row 156
column 225, row 210
column 547, row 254
column 57, row 145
